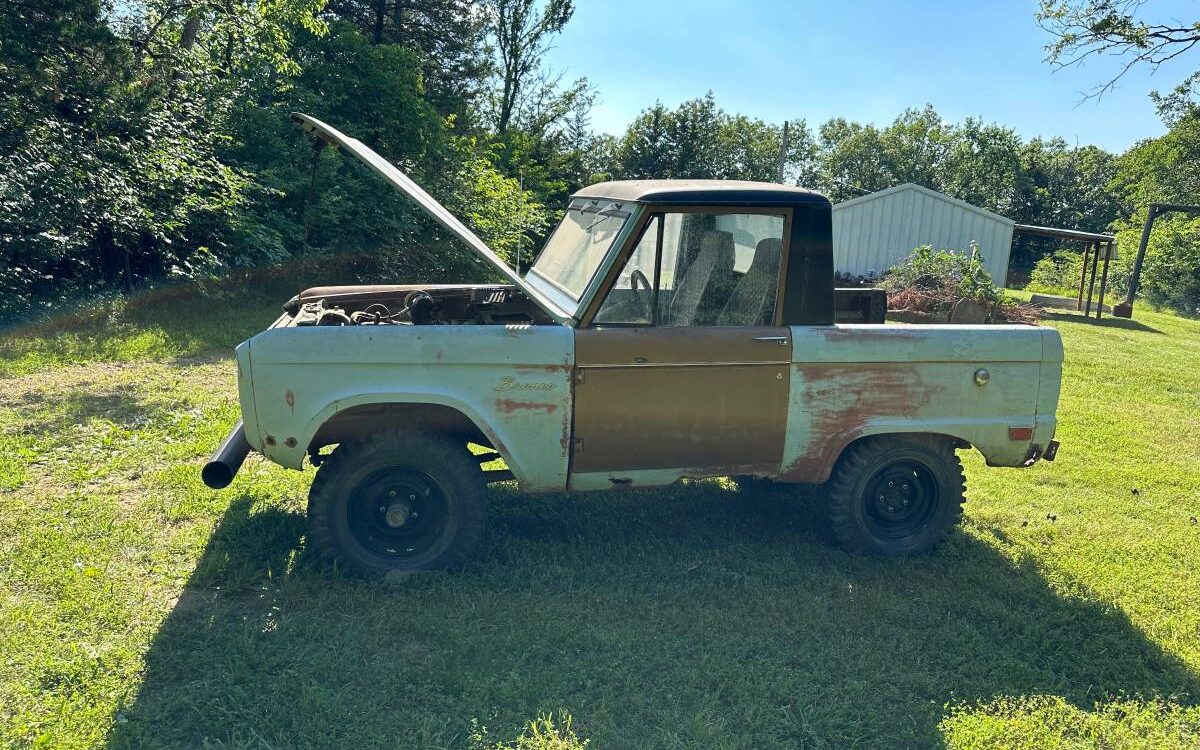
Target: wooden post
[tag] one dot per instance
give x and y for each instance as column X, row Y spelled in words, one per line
column 1104, row 280
column 1092, row 283
column 1082, row 278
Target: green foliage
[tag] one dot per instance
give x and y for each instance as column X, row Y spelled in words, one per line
column 1057, row 273
column 700, row 140
column 497, row 209
column 933, row 283
column 1171, row 274
column 1114, row 28
column 961, row 273
column 1164, row 170
column 543, row 733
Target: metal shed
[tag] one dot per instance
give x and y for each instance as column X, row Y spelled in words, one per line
column 875, row 232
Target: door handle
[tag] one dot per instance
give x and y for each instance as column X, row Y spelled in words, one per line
column 781, row 340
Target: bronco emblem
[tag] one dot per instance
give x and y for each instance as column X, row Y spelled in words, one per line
column 507, row 383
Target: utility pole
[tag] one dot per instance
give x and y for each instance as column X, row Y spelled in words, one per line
column 783, row 149
column 521, row 239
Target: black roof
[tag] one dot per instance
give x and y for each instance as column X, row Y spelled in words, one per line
column 703, row 193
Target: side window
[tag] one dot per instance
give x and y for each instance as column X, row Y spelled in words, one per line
column 724, row 269
column 631, row 299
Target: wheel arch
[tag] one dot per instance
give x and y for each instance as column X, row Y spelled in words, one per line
column 816, row 469
column 366, row 414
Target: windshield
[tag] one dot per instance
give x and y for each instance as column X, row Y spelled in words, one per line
column 578, row 245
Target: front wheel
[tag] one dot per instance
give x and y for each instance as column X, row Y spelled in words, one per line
column 397, row 501
column 893, row 495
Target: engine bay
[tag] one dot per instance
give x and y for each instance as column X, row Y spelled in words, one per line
column 412, row 305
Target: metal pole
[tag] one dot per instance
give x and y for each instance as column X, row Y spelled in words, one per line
column 1136, row 275
column 1092, row 283
column 1125, row 308
column 1082, row 278
column 1104, row 279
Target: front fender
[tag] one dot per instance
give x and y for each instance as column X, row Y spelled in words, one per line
column 513, row 383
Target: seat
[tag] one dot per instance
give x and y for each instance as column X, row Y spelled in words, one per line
column 708, row 272
column 752, row 301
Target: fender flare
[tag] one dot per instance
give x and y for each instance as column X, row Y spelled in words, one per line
column 417, row 398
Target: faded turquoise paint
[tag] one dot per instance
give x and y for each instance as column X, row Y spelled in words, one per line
column 513, row 382
column 849, row 381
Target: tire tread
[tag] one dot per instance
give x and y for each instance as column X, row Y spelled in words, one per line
column 462, row 470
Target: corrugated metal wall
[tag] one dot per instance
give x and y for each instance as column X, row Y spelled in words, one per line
column 875, row 232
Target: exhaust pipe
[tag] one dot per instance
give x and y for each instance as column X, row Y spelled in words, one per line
column 224, row 464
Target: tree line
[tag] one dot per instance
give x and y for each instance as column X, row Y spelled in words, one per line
column 150, row 139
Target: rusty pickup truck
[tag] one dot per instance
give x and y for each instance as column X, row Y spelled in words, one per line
column 667, row 330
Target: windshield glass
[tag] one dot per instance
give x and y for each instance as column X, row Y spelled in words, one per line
column 575, row 250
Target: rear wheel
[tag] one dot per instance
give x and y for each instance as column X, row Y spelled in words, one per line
column 397, row 501
column 892, row 495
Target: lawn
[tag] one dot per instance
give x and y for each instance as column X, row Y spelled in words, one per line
column 141, row 609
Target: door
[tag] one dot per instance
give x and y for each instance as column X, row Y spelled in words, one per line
column 682, row 367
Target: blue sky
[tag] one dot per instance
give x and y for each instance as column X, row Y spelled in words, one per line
column 864, row 60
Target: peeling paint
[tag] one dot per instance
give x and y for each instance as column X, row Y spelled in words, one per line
column 510, row 406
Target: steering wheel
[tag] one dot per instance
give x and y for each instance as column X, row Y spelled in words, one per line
column 645, row 294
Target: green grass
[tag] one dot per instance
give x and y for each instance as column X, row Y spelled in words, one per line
column 140, row 609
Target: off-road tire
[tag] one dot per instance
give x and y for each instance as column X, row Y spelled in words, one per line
column 342, row 503
column 867, row 515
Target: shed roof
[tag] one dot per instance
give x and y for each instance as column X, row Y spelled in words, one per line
column 703, row 192
column 1064, row 234
column 912, row 186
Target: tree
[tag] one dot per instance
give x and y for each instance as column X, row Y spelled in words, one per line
column 700, row 140
column 1164, row 170
column 1087, row 28
column 448, row 37
column 522, row 35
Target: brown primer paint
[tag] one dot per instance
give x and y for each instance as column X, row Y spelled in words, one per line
column 709, row 400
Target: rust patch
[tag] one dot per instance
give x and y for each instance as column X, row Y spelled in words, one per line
column 769, row 470
column 565, row 440
column 842, row 399
column 290, row 398
column 511, row 406
column 892, row 335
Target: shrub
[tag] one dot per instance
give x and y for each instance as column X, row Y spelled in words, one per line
column 932, row 282
column 1171, row 276
column 1057, row 273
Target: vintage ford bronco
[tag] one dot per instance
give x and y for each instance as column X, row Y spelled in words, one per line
column 668, row 329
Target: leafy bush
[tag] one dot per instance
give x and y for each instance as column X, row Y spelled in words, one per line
column 933, row 282
column 963, row 274
column 1171, row 274
column 1057, row 273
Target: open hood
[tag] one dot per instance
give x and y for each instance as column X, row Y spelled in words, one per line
column 435, row 210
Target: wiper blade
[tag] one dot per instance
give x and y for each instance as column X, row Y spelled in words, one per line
column 607, row 212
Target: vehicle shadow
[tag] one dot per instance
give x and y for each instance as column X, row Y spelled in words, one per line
column 692, row 616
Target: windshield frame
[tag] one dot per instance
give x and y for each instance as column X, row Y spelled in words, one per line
column 599, row 208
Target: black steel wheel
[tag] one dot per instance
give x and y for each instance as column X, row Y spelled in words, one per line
column 895, row 495
column 397, row 501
